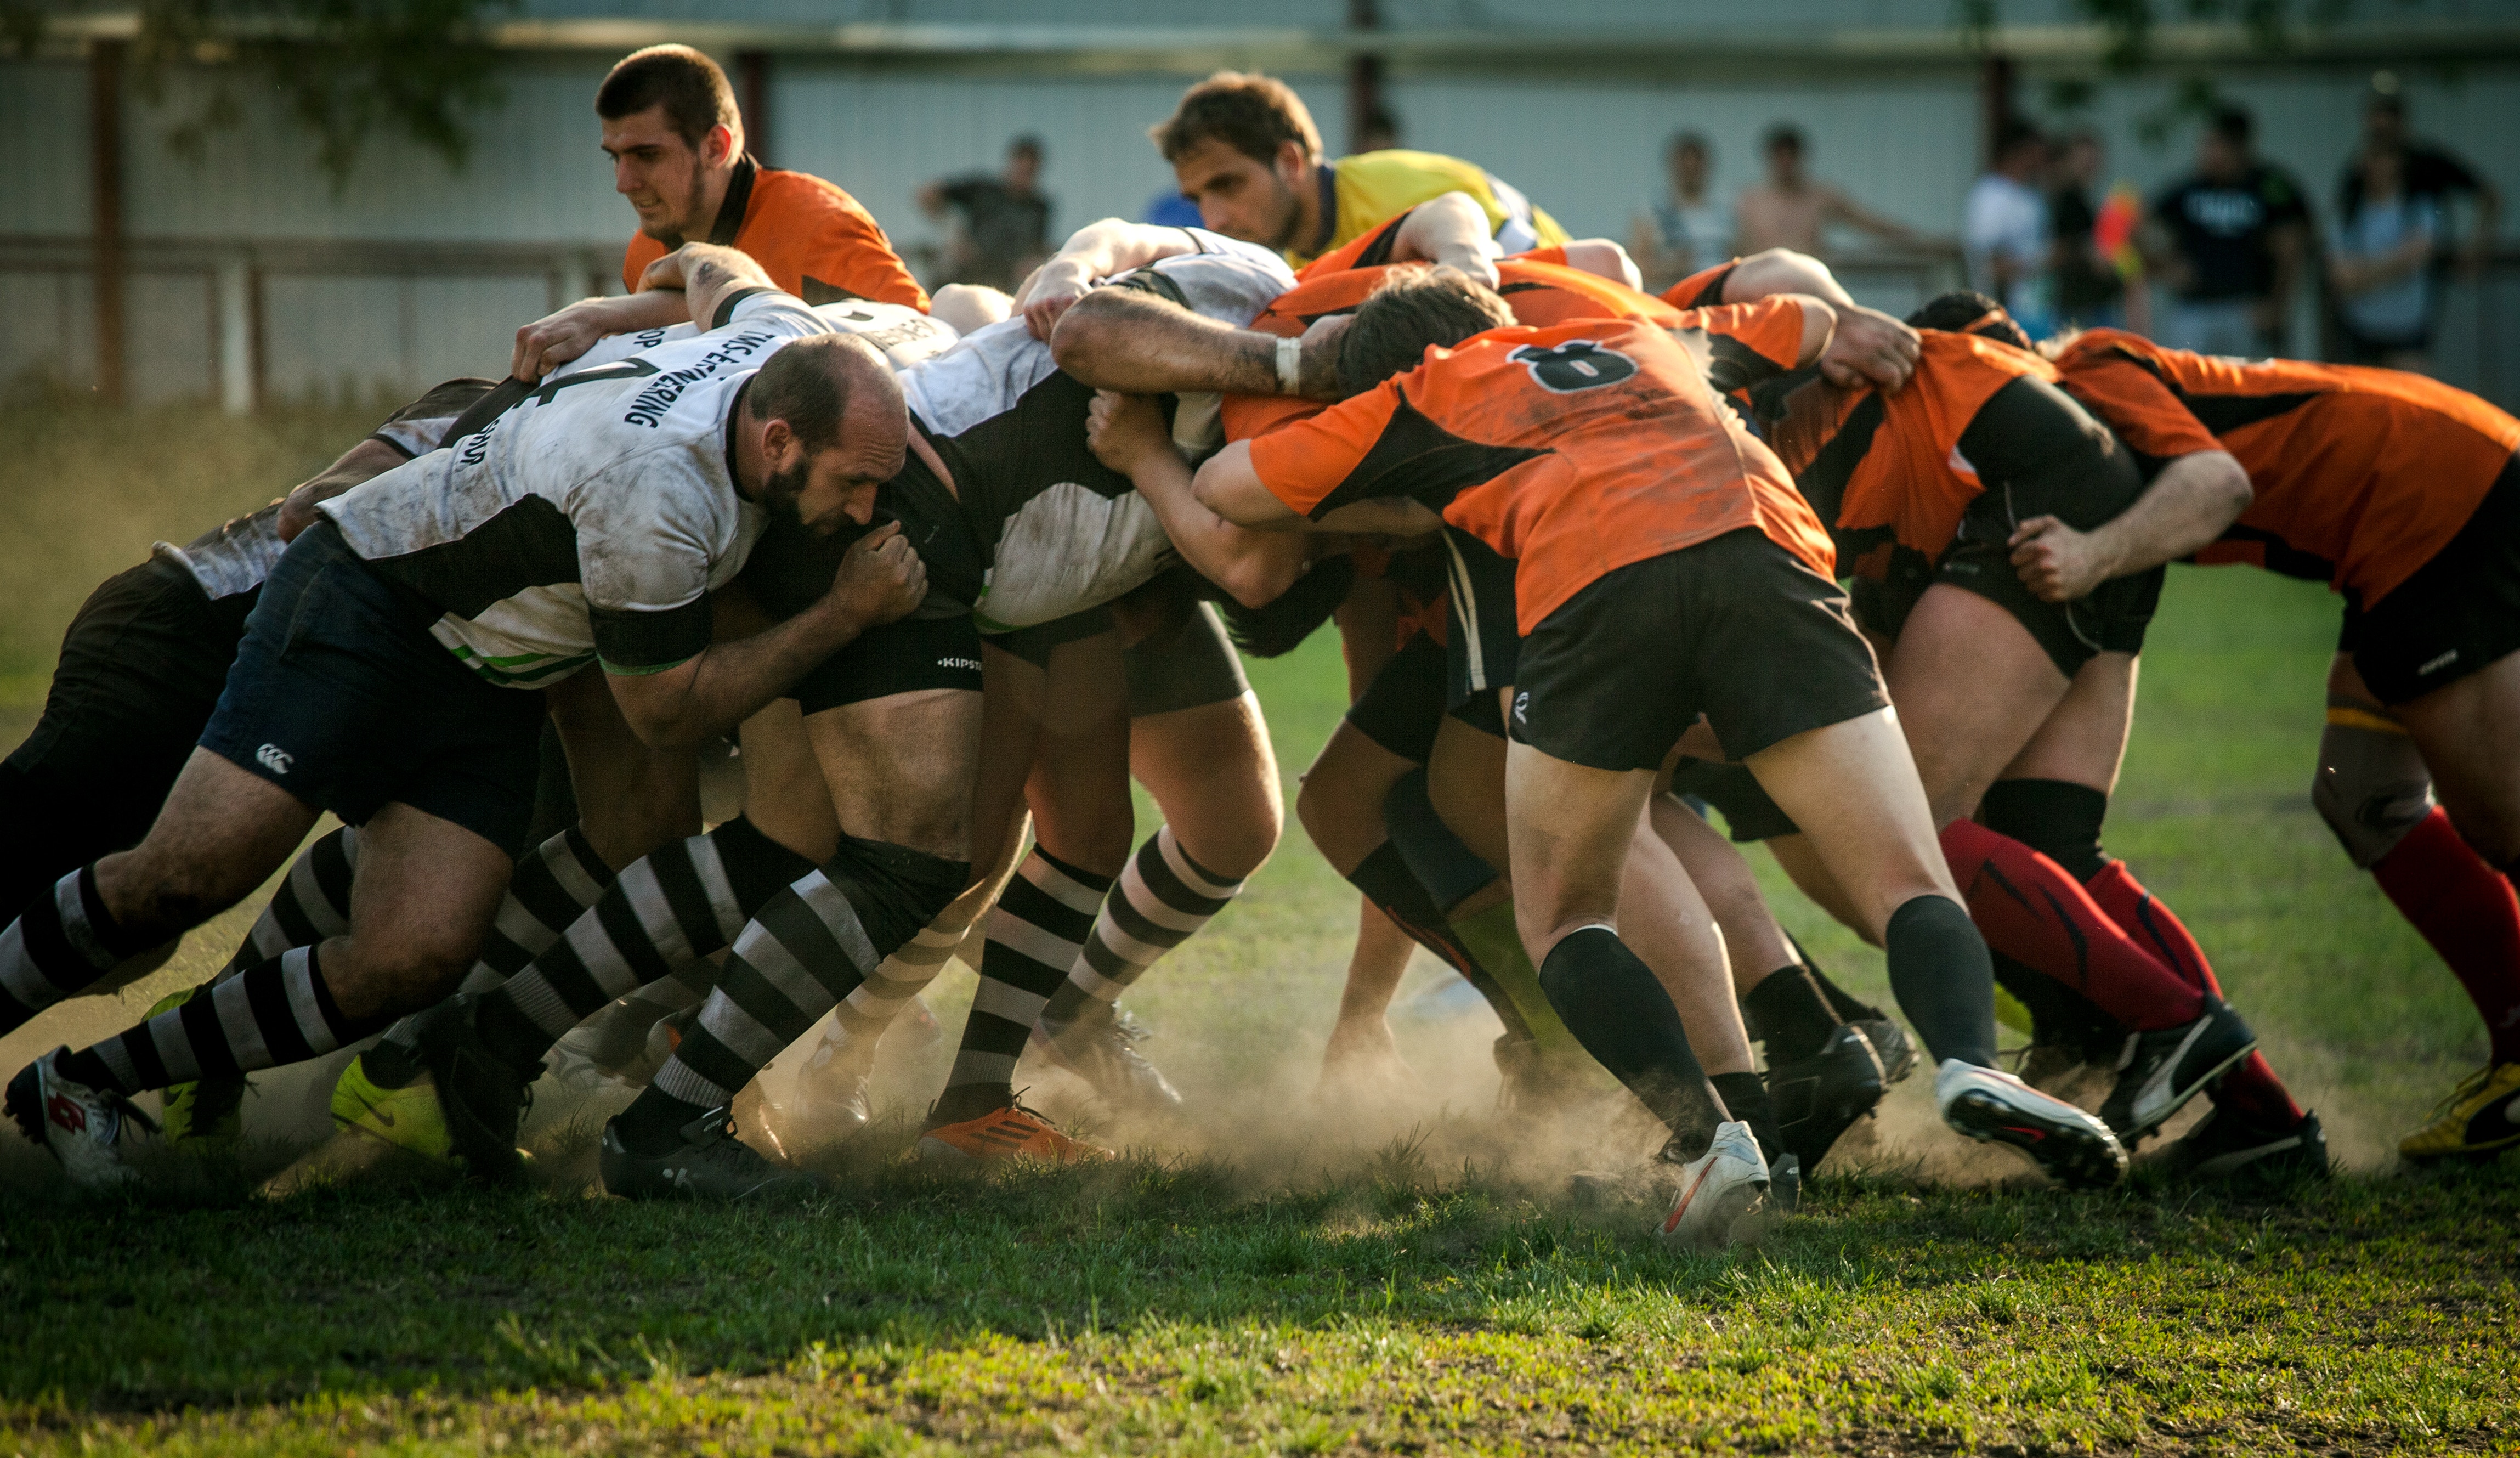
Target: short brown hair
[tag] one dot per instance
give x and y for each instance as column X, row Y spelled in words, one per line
column 1252, row 114
column 809, row 384
column 1409, row 310
column 688, row 84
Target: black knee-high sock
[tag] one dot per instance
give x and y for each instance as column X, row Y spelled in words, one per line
column 1386, row 880
column 1611, row 1002
column 62, row 942
column 1847, row 1007
column 1035, row 935
column 2057, row 818
column 273, row 1013
column 1443, row 863
column 811, row 945
column 1790, row 1013
column 1745, row 1097
column 1942, row 979
column 671, row 908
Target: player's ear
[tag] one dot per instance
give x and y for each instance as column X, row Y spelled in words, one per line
column 1291, row 161
column 778, row 441
column 719, row 145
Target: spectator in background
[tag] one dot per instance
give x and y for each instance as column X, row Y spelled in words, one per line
column 2379, row 262
column 1003, row 222
column 1789, row 209
column 1687, row 228
column 2228, row 242
column 2004, row 229
column 2426, row 173
column 2098, row 281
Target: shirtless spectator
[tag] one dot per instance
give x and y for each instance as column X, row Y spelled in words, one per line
column 1790, row 210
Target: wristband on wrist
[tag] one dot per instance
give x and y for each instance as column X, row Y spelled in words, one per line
column 1290, row 367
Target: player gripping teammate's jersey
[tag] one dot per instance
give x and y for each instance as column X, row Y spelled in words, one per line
column 813, row 239
column 1361, row 193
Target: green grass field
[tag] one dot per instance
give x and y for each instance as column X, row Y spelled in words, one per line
column 1275, row 1274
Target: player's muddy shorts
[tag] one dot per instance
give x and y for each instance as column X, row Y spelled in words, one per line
column 340, row 697
column 901, row 656
column 140, row 669
column 1187, row 662
column 1748, row 813
column 1400, row 708
column 2458, row 612
column 1482, row 639
column 1736, row 628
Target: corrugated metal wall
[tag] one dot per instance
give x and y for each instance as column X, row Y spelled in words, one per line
column 1586, row 152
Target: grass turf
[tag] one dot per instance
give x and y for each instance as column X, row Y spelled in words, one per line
column 1281, row 1277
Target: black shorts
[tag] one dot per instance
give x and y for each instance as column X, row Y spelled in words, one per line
column 1748, row 813
column 1034, row 644
column 901, row 656
column 1400, row 709
column 340, row 697
column 1736, row 628
column 1186, row 663
column 139, row 671
column 2458, row 612
column 1481, row 638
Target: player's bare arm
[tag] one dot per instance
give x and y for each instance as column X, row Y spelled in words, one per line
column 879, row 579
column 1228, row 486
column 1868, row 347
column 2189, row 505
column 1451, row 230
column 556, row 339
column 1127, row 433
column 1098, row 250
column 1137, row 343
column 368, row 459
column 707, row 273
column 1607, row 258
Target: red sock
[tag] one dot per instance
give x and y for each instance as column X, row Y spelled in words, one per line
column 2036, row 914
column 2251, row 1089
column 2468, row 911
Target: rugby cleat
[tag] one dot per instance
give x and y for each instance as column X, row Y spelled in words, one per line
column 831, row 1099
column 1716, row 1189
column 1891, row 1045
column 1785, row 1184
column 2224, row 1146
column 1992, row 1106
column 2479, row 1119
column 91, row 1131
column 2158, row 1072
column 1013, row 1132
column 480, row 1098
column 1100, row 1046
column 204, row 1111
column 707, row 1163
column 405, row 1116
column 1821, row 1097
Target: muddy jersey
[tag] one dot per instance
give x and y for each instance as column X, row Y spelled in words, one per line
column 1574, row 451
column 902, row 335
column 591, row 520
column 2361, row 474
column 236, row 557
column 1060, row 531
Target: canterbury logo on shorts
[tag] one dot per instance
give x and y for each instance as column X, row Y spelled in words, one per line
column 274, row 758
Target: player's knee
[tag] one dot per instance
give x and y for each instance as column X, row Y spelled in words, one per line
column 2371, row 790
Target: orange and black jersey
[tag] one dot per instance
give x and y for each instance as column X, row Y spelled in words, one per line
column 1900, row 470
column 1574, row 451
column 813, row 240
column 2361, row 474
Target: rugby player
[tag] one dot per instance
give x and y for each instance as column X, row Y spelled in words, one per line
column 1647, row 526
column 2400, row 493
column 385, row 675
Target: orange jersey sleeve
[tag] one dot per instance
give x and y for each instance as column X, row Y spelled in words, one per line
column 813, row 240
column 1701, row 289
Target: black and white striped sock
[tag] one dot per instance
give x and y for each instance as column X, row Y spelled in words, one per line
column 1163, row 899
column 550, row 892
column 273, row 1013
column 311, row 903
column 64, row 942
column 664, row 914
column 1035, row 933
column 808, row 948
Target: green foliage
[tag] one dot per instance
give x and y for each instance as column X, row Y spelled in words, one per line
column 345, row 70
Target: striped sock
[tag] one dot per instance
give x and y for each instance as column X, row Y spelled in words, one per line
column 669, row 910
column 1035, row 935
column 312, row 902
column 1163, row 899
column 809, row 946
column 61, row 943
column 551, row 889
column 275, row 1012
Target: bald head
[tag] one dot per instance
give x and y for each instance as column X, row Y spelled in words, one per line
column 834, row 427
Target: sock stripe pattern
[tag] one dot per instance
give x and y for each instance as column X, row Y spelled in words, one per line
column 1163, row 897
column 549, row 892
column 54, row 947
column 276, row 1012
column 311, row 904
column 1035, row 935
column 898, row 979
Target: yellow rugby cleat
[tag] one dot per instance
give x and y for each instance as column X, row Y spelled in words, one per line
column 205, row 1113
column 2480, row 1119
column 408, row 1119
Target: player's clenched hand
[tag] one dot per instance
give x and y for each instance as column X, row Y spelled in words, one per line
column 555, row 339
column 1046, row 295
column 881, row 577
column 1870, row 348
column 1123, row 431
column 2057, row 562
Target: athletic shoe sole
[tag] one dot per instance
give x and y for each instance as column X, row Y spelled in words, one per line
column 2070, row 1153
